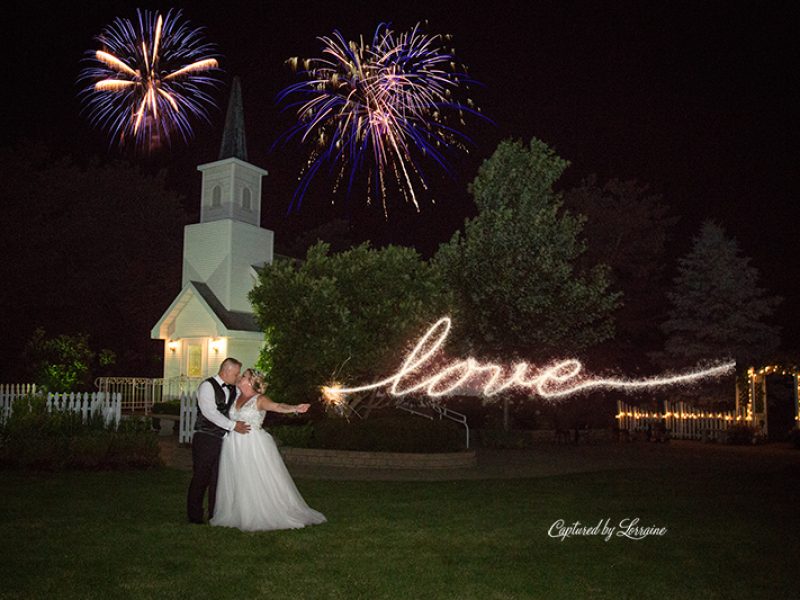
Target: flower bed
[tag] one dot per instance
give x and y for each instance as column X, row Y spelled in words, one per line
column 34, row 438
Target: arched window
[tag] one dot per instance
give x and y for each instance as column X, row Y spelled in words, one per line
column 216, row 197
column 246, row 199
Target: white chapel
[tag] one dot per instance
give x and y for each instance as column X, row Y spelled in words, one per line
column 212, row 318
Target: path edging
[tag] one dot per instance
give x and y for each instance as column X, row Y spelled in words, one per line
column 378, row 460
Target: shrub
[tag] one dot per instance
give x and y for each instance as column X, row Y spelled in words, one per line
column 794, row 437
column 34, row 438
column 89, row 451
column 388, row 434
column 499, row 438
column 741, row 434
column 173, row 407
column 133, row 449
column 294, row 436
column 60, row 363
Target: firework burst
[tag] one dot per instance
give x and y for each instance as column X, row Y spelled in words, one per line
column 150, row 79
column 379, row 106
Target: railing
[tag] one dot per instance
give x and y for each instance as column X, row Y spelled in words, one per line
column 140, row 393
column 683, row 421
column 109, row 405
column 438, row 409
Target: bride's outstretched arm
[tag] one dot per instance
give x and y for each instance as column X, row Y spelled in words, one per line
column 265, row 403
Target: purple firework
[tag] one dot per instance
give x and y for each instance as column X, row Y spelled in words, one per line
column 149, row 79
column 379, row 106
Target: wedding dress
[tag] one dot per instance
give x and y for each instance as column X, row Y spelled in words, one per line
column 255, row 490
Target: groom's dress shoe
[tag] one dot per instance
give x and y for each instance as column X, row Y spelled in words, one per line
column 193, row 522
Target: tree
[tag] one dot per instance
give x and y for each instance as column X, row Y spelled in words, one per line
column 627, row 228
column 717, row 309
column 89, row 248
column 515, row 273
column 64, row 363
column 345, row 316
column 520, row 289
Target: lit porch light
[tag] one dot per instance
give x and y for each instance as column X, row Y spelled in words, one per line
column 217, row 345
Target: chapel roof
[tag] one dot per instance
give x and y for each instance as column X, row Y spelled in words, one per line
column 233, row 320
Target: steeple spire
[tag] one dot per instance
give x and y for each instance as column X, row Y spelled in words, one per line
column 233, row 140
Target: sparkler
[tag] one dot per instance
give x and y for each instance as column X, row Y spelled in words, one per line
column 376, row 105
column 149, row 79
column 557, row 380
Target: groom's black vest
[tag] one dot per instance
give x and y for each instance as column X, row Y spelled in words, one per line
column 204, row 425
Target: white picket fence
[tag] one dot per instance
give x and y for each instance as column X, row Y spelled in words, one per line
column 188, row 417
column 683, row 421
column 109, row 405
column 10, row 392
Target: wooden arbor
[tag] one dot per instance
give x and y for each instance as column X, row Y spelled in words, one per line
column 770, row 397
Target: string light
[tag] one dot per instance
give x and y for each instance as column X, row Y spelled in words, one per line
column 758, row 377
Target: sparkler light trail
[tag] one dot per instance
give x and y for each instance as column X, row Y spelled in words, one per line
column 375, row 105
column 558, row 380
column 149, row 79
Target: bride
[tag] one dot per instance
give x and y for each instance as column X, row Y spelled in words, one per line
column 254, row 489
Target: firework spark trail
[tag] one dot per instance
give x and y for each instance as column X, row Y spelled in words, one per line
column 558, row 380
column 149, row 79
column 378, row 104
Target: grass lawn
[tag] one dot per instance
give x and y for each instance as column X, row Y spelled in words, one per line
column 731, row 534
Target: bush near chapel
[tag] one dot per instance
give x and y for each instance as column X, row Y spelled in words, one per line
column 345, row 316
column 395, row 433
column 64, row 363
column 34, row 438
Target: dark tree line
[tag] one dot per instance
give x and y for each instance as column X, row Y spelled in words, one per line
column 88, row 248
column 94, row 248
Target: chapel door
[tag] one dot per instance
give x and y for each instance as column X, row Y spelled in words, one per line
column 194, row 360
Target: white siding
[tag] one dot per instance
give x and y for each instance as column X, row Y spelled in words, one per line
column 221, row 253
column 172, row 360
column 253, row 247
column 246, row 351
column 232, row 175
column 207, row 255
column 194, row 322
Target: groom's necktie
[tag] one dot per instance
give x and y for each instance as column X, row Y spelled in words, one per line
column 231, row 392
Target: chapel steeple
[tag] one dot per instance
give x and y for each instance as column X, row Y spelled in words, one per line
column 231, row 185
column 234, row 143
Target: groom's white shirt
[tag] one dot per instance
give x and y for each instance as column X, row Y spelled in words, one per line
column 208, row 404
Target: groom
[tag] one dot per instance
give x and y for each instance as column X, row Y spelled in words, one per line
column 214, row 398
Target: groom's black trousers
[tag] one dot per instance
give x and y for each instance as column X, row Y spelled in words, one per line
column 205, row 468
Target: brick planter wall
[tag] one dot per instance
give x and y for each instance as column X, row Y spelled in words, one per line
column 378, row 460
column 537, row 436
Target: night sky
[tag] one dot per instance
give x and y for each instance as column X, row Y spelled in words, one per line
column 693, row 100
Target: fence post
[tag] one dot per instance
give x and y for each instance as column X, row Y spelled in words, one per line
column 188, row 416
column 118, row 408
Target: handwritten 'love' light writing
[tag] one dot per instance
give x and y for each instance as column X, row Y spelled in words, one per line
column 560, row 379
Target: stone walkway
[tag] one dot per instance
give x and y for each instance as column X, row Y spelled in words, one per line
column 549, row 459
